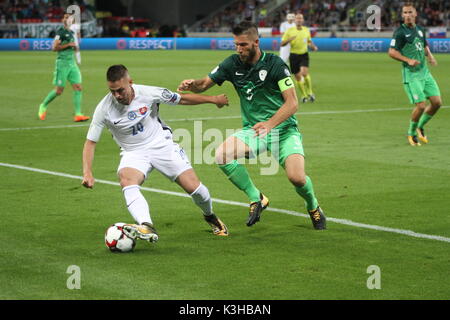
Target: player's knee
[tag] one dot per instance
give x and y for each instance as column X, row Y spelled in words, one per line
column 59, row 90
column 220, row 156
column 298, row 180
column 77, row 87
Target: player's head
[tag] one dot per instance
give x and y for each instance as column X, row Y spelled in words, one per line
column 67, row 19
column 246, row 39
column 290, row 17
column 299, row 19
column 409, row 13
column 119, row 83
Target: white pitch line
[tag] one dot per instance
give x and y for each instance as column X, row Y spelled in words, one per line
column 222, row 118
column 241, row 204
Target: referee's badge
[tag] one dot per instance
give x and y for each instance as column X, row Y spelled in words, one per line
column 262, row 74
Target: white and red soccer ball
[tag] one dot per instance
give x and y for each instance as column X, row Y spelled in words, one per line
column 116, row 240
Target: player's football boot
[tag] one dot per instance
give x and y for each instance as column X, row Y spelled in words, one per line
column 312, row 98
column 80, row 118
column 305, row 99
column 42, row 112
column 413, row 141
column 144, row 231
column 421, row 135
column 256, row 208
column 318, row 219
column 218, row 227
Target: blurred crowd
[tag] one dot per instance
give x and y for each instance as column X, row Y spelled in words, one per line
column 29, row 11
column 326, row 14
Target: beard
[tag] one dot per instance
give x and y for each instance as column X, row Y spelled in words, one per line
column 250, row 56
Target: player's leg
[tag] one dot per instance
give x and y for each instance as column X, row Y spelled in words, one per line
column 415, row 93
column 295, row 171
column 304, row 70
column 59, row 80
column 199, row 193
column 131, row 176
column 235, row 147
column 75, row 79
column 294, row 60
column 434, row 95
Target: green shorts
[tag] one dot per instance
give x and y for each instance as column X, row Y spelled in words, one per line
column 64, row 72
column 281, row 143
column 420, row 90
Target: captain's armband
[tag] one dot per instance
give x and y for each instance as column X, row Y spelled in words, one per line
column 285, row 84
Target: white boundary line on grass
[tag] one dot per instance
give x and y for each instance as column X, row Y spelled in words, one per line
column 241, row 204
column 223, row 118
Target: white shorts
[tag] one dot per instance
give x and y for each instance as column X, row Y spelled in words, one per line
column 285, row 52
column 170, row 160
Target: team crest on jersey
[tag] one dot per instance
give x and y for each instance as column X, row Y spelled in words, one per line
column 262, row 74
column 143, row 110
column 132, row 115
column 420, row 33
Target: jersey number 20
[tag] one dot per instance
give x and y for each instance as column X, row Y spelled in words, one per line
column 137, row 128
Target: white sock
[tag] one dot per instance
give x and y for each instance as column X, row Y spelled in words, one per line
column 136, row 204
column 202, row 199
column 78, row 56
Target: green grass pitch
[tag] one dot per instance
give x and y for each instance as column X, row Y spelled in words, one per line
column 357, row 155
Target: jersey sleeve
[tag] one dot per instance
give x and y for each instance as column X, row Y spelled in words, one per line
column 165, row 96
column 398, row 40
column 221, row 73
column 97, row 123
column 286, row 35
column 282, row 75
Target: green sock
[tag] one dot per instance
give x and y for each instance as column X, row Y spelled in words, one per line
column 77, row 97
column 412, row 128
column 301, row 86
column 307, row 193
column 308, row 85
column 49, row 98
column 239, row 176
column 424, row 119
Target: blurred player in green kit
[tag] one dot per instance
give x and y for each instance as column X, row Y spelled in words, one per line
column 66, row 69
column 410, row 46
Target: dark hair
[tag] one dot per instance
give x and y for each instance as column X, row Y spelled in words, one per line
column 408, row 4
column 245, row 27
column 116, row 72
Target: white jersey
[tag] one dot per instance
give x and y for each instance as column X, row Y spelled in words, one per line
column 135, row 126
column 285, row 50
column 75, row 28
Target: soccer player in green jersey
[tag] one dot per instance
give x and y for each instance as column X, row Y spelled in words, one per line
column 410, row 46
column 66, row 69
column 268, row 106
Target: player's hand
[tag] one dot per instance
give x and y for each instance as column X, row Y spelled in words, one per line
column 432, row 61
column 262, row 129
column 88, row 181
column 315, row 48
column 186, row 85
column 413, row 63
column 221, row 100
column 72, row 44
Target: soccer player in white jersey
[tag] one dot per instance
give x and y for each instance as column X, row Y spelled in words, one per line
column 131, row 113
column 289, row 23
column 76, row 29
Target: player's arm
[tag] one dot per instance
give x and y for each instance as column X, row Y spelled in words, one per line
column 197, row 86
column 289, row 108
column 57, row 46
column 88, row 159
column 396, row 55
column 430, row 56
column 193, row 99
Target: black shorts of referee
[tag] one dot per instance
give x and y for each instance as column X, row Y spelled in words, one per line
column 296, row 61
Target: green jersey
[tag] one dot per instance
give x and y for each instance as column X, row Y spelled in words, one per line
column 65, row 36
column 411, row 43
column 259, row 86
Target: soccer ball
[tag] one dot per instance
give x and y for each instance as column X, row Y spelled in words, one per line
column 116, row 240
